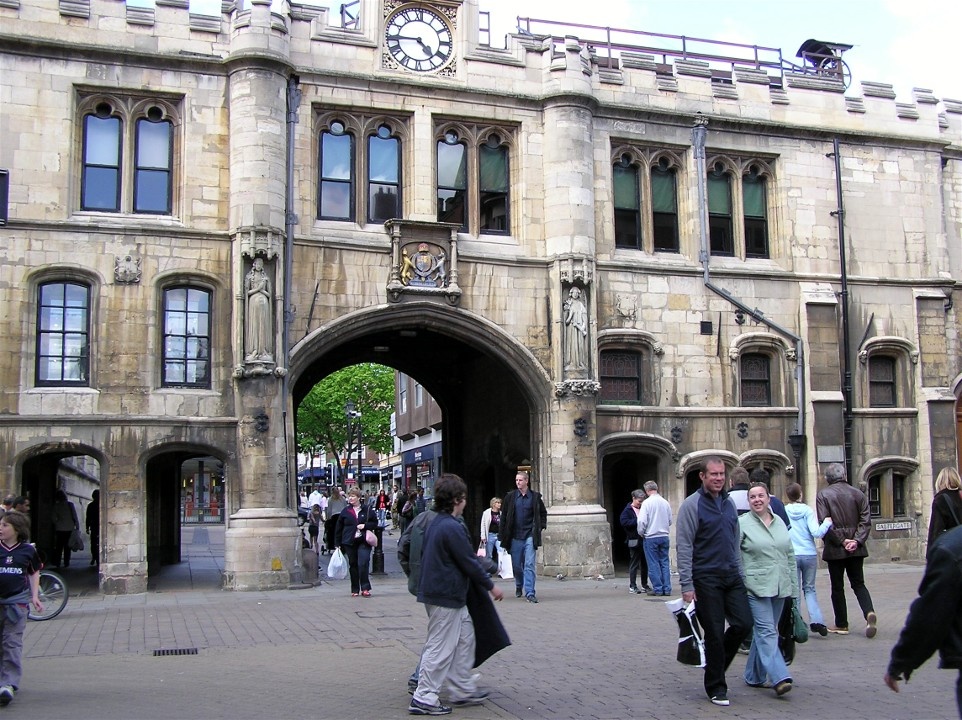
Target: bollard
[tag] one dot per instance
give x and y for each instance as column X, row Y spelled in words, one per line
column 377, row 557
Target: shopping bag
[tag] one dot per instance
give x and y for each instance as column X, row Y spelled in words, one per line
column 337, row 567
column 691, row 644
column 482, row 549
column 504, row 566
column 76, row 542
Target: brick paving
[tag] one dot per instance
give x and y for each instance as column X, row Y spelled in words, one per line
column 588, row 650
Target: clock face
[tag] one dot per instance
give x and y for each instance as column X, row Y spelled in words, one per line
column 419, row 39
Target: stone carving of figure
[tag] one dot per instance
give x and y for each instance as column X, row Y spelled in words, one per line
column 407, row 267
column 259, row 338
column 576, row 332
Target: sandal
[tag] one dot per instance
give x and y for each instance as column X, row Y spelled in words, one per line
column 353, row 594
column 365, row 593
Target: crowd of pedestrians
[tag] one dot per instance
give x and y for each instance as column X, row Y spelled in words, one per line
column 745, row 559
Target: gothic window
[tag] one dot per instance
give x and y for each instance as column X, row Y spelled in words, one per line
column 627, row 204
column 881, row 381
column 186, row 337
column 621, row 377
column 756, row 381
column 63, row 334
column 474, row 178
column 384, row 175
column 493, row 186
column 452, row 180
column 887, row 379
column 739, row 208
column 755, row 207
column 664, row 207
column 645, row 200
column 336, row 196
column 359, row 168
column 116, row 128
column 720, row 235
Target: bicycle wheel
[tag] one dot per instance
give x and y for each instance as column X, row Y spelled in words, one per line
column 53, row 594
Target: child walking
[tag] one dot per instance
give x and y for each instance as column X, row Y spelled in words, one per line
column 19, row 585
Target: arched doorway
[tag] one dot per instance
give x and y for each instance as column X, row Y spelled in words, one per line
column 47, row 470
column 186, row 495
column 492, row 392
column 624, row 472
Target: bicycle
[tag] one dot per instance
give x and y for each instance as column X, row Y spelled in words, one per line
column 54, row 595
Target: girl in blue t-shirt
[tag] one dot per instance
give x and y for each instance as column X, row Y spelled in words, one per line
column 19, row 584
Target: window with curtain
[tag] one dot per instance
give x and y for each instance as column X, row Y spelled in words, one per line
column 621, row 377
column 881, row 381
column 186, row 337
column 336, row 191
column 755, row 208
column 664, row 207
column 102, row 142
column 493, row 186
column 63, row 334
column 755, row 380
column 627, row 204
column 384, row 175
column 152, row 174
column 720, row 227
column 452, row 180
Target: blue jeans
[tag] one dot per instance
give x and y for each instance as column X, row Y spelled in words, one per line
column 807, row 568
column 522, row 561
column 720, row 598
column 765, row 661
column 492, row 543
column 659, row 569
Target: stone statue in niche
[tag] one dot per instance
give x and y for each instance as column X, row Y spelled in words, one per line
column 259, row 332
column 575, row 332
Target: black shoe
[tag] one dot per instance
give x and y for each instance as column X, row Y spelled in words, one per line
column 532, row 599
column 419, row 708
column 819, row 628
column 6, row 695
column 518, row 592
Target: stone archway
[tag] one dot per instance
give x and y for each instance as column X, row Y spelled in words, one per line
column 493, row 393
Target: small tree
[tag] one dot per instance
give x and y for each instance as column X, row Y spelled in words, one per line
column 321, row 419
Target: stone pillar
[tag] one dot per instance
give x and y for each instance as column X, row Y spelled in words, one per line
column 262, row 541
column 577, row 541
column 123, row 569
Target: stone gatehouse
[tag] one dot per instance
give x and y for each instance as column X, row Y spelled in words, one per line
column 606, row 264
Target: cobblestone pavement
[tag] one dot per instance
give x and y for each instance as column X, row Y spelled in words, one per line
column 587, row 650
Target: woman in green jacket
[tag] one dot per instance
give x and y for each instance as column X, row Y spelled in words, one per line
column 771, row 580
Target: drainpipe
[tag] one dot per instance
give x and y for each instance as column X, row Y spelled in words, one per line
column 290, row 220
column 797, row 439
column 839, row 215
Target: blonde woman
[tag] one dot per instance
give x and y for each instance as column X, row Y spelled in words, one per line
column 947, row 505
column 491, row 526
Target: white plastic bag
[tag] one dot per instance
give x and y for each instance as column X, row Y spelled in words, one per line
column 505, row 570
column 337, row 567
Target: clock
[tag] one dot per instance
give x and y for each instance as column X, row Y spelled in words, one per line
column 419, row 39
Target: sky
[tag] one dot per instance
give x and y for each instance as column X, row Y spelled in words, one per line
column 907, row 44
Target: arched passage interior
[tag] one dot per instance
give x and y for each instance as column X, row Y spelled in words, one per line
column 491, row 391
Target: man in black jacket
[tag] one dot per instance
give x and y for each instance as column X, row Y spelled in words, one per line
column 935, row 617
column 523, row 517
